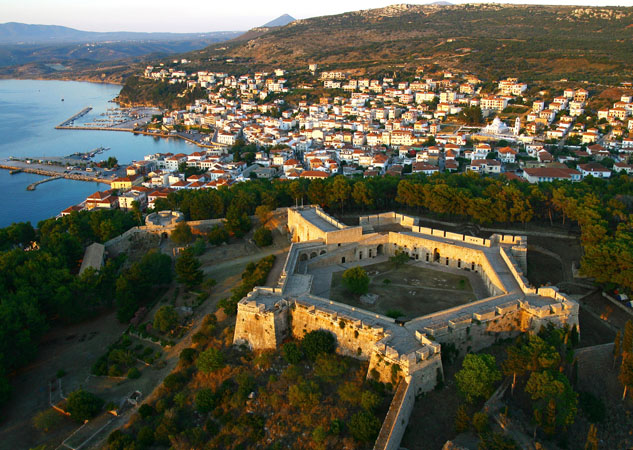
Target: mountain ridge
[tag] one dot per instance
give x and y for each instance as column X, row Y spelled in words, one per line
column 22, row 33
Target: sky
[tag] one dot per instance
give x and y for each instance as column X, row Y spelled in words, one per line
column 199, row 15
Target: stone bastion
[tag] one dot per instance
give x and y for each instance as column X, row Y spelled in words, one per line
column 408, row 355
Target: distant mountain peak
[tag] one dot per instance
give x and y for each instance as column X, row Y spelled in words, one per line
column 279, row 21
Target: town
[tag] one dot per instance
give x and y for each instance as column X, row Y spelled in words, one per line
column 433, row 124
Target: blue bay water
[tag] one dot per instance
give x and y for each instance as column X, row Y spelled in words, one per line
column 29, row 112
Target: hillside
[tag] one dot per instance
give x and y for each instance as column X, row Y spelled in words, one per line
column 534, row 42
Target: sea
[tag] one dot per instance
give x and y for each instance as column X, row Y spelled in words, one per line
column 29, row 112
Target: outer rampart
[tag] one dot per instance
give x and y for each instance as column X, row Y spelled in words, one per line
column 409, row 354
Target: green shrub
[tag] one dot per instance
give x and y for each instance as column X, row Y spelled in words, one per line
column 210, row 360
column 165, row 319
column 292, row 353
column 205, row 400
column 318, row 341
column 47, row 420
column 188, row 355
column 83, row 405
column 263, row 237
column 356, row 280
column 146, row 410
column 364, row 426
column 217, row 235
column 133, row 373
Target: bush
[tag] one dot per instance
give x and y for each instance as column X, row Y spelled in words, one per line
column 292, row 353
column 205, row 400
column 329, row 366
column 47, row 420
column 316, row 342
column 217, row 235
column 364, row 426
column 165, row 319
column 356, row 280
column 199, row 246
column 146, row 410
column 174, row 381
column 263, row 237
column 188, row 355
column 145, row 436
column 133, row 373
column 210, row 360
column 182, row 233
column 369, row 400
column 481, row 423
column 83, row 405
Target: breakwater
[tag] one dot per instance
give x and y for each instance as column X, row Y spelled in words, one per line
column 32, row 186
column 81, row 113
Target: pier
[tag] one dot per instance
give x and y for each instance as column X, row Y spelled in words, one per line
column 53, row 174
column 66, row 123
column 32, row 186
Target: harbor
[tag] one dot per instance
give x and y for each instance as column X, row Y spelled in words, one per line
column 114, row 119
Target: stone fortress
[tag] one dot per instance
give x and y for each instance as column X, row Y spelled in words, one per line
column 407, row 353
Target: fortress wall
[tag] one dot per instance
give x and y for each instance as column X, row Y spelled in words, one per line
column 377, row 219
column 331, row 220
column 301, row 229
column 397, row 417
column 450, row 255
column 472, row 335
column 344, row 236
column 406, row 221
column 452, row 236
column 353, row 338
column 517, row 273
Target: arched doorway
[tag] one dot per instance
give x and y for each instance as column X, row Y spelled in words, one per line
column 322, row 252
column 313, row 255
column 436, row 255
column 380, row 249
column 303, row 257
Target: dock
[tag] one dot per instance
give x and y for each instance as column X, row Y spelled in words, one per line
column 54, row 174
column 32, row 186
column 66, row 123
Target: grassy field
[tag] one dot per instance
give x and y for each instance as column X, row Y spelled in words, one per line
column 413, row 291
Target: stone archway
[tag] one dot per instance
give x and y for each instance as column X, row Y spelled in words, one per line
column 436, row 256
column 313, row 255
column 322, row 252
column 380, row 250
column 303, row 257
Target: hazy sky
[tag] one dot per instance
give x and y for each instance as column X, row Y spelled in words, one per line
column 197, row 15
